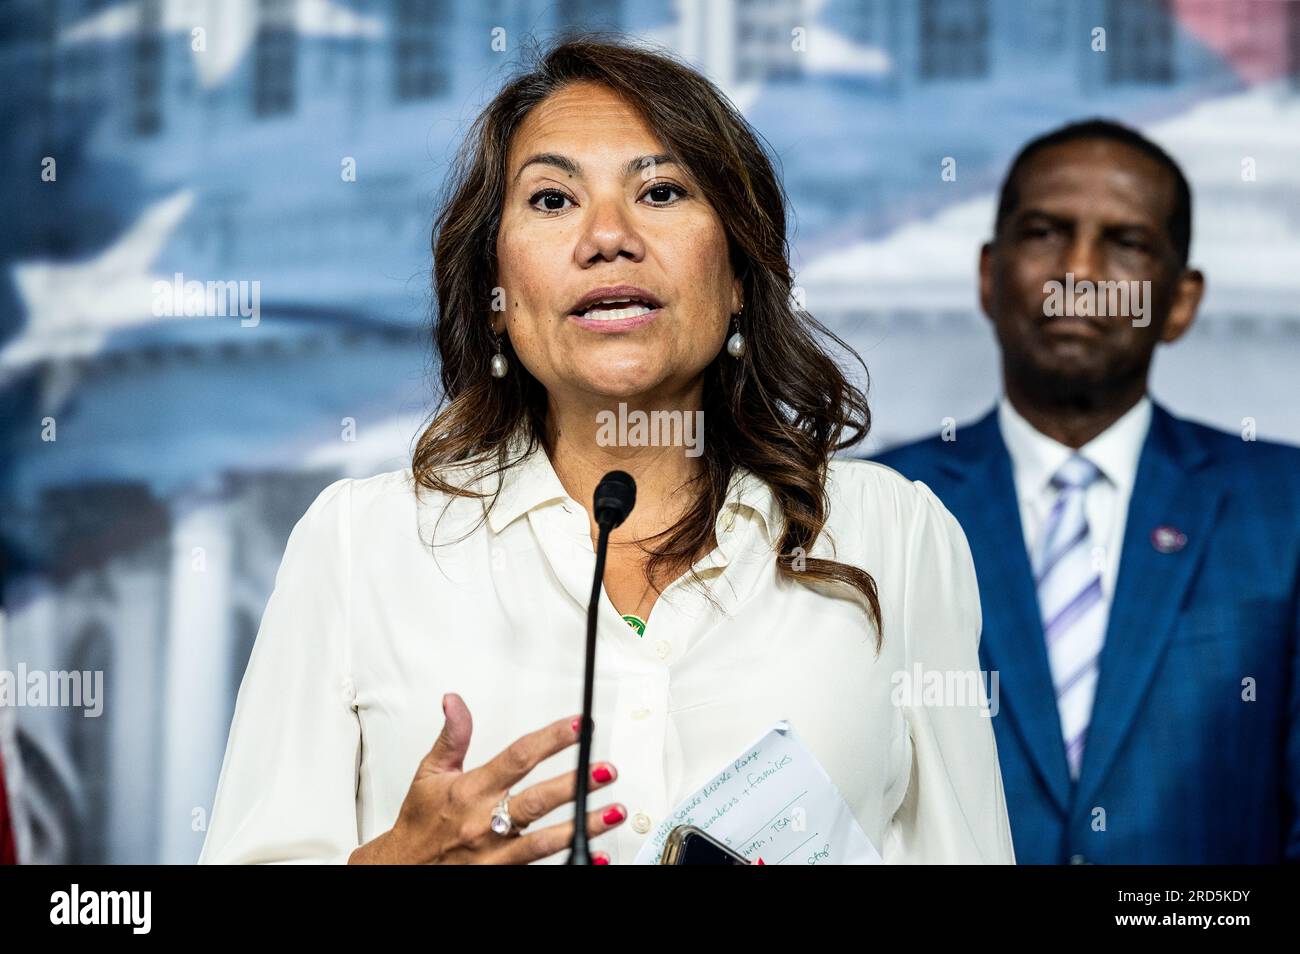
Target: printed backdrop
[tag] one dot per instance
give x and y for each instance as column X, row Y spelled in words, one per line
column 153, row 460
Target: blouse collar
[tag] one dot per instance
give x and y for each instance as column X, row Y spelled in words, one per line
column 531, row 483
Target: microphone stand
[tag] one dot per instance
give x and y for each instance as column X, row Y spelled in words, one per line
column 579, row 853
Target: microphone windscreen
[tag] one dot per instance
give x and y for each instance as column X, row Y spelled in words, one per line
column 615, row 497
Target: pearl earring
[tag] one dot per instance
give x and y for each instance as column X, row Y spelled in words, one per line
column 736, row 343
column 499, row 363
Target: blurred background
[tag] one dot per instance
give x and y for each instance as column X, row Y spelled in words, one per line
column 153, row 458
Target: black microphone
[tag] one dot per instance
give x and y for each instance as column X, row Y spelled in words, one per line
column 614, row 499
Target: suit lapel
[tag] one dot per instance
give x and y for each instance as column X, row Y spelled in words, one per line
column 1151, row 585
column 1012, row 639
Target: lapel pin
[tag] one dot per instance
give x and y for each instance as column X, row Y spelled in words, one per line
column 1168, row 539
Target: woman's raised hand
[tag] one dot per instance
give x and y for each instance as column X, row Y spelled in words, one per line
column 447, row 813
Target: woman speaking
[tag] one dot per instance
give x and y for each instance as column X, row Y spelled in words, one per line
column 611, row 252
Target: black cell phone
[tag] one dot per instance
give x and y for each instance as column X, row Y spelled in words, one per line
column 688, row 845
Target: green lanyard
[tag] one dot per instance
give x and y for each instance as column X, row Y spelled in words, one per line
column 636, row 622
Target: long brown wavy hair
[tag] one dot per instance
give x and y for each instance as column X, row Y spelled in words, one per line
column 781, row 411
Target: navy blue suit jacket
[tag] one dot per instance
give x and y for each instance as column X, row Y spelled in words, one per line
column 1193, row 749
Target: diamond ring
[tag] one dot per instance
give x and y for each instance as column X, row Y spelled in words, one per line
column 501, row 823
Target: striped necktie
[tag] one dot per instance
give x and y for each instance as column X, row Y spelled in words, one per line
column 1070, row 601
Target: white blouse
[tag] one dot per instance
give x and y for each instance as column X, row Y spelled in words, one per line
column 367, row 628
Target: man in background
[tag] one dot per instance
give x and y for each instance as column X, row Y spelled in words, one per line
column 1139, row 574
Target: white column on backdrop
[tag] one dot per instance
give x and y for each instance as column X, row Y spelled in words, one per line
column 194, row 731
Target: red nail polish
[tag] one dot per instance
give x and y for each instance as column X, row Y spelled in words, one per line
column 600, row 860
column 601, row 774
column 613, row 816
column 577, row 725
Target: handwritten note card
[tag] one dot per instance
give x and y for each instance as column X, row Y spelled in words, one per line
column 772, row 802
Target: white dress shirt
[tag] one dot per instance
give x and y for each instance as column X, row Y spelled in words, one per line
column 367, row 628
column 1035, row 457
